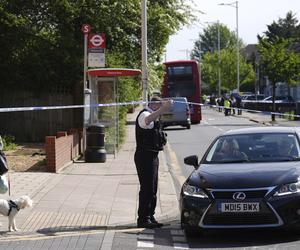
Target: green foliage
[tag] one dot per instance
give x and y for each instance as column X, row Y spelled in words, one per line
column 278, row 59
column 155, row 77
column 210, row 64
column 208, row 40
column 286, row 28
column 207, row 43
column 42, row 44
column 8, row 142
column 279, row 62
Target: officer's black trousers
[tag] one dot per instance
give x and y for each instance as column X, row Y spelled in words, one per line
column 146, row 163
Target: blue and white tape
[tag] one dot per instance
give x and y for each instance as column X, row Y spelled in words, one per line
column 17, row 109
column 39, row 108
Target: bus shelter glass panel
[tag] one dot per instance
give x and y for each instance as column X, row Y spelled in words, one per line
column 108, row 115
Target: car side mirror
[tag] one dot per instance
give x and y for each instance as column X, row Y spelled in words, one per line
column 191, row 160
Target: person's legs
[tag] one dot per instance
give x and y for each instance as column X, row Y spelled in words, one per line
column 155, row 184
column 144, row 166
column 154, row 197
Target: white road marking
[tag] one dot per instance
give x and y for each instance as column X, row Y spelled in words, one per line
column 145, row 244
column 179, row 240
column 181, row 246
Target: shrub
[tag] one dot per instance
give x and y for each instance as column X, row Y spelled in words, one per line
column 9, row 142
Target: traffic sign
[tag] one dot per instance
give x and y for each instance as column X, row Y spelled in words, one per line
column 85, row 28
column 97, row 41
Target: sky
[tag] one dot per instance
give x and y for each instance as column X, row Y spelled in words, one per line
column 253, row 18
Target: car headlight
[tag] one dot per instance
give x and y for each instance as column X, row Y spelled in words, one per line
column 193, row 191
column 288, row 189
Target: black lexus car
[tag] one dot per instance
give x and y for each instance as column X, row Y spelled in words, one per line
column 248, row 178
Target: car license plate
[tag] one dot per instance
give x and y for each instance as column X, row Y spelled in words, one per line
column 234, row 207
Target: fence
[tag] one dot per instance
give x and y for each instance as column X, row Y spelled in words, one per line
column 33, row 126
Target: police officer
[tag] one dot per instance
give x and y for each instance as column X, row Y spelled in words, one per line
column 226, row 107
column 149, row 141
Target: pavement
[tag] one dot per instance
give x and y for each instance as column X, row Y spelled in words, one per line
column 85, row 199
column 86, row 203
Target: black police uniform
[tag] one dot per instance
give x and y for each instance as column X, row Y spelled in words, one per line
column 148, row 143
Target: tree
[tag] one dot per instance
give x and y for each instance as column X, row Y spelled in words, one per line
column 210, row 64
column 279, row 62
column 208, row 40
column 287, row 27
column 42, row 44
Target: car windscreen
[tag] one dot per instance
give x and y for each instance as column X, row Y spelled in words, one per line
column 260, row 147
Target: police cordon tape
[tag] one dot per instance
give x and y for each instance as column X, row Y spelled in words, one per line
column 19, row 109
column 289, row 115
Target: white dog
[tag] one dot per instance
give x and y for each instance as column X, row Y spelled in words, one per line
column 11, row 208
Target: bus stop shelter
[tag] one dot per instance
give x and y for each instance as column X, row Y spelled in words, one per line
column 101, row 109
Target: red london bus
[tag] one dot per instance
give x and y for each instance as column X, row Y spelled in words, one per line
column 182, row 78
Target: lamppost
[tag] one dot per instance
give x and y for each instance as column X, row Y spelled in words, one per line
column 187, row 51
column 236, row 6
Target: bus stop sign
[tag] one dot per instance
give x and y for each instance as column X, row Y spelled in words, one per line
column 85, row 28
column 97, row 41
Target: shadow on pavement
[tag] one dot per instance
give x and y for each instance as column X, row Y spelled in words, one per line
column 170, row 129
column 65, row 229
column 229, row 125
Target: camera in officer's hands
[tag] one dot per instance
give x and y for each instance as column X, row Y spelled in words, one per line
column 162, row 140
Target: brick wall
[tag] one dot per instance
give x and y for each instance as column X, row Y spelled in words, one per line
column 62, row 149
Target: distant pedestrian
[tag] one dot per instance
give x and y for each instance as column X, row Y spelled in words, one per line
column 212, row 100
column 150, row 139
column 220, row 102
column 227, row 107
column 238, row 103
column 232, row 104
